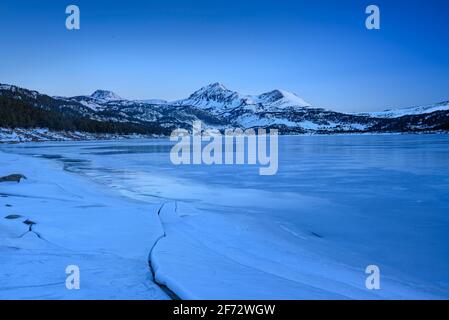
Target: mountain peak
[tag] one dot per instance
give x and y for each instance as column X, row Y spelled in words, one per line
column 214, row 95
column 217, row 96
column 283, row 97
column 215, row 91
column 212, row 88
column 216, row 86
column 105, row 95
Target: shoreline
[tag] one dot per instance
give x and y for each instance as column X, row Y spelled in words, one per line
column 42, row 135
column 78, row 224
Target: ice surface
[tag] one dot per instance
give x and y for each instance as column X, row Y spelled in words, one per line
column 337, row 205
column 78, row 223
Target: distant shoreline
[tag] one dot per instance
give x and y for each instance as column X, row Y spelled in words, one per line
column 41, row 135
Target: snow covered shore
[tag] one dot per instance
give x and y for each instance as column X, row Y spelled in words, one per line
column 42, row 134
column 77, row 223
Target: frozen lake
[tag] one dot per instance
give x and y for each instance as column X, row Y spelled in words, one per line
column 336, row 205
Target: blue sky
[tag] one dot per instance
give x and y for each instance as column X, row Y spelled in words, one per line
column 167, row 49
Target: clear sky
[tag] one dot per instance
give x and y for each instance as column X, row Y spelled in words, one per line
column 167, row 49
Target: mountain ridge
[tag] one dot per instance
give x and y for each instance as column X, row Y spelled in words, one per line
column 105, row 95
column 217, row 107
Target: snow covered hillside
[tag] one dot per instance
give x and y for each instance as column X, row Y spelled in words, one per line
column 214, row 105
column 105, row 96
column 397, row 113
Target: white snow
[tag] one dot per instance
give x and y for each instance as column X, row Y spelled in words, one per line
column 153, row 101
column 281, row 99
column 218, row 99
column 105, row 96
column 78, row 223
column 396, row 113
column 8, row 135
column 214, row 96
column 92, row 105
column 31, row 93
column 253, row 120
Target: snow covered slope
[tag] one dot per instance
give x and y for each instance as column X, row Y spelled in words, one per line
column 279, row 99
column 397, row 113
column 105, row 96
column 214, row 97
column 218, row 99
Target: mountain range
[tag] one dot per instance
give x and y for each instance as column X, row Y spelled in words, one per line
column 215, row 105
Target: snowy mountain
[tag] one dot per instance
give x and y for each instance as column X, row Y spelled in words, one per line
column 281, row 99
column 153, row 101
column 400, row 112
column 219, row 100
column 214, row 105
column 214, row 97
column 105, row 96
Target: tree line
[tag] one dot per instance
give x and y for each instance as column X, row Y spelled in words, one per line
column 16, row 113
